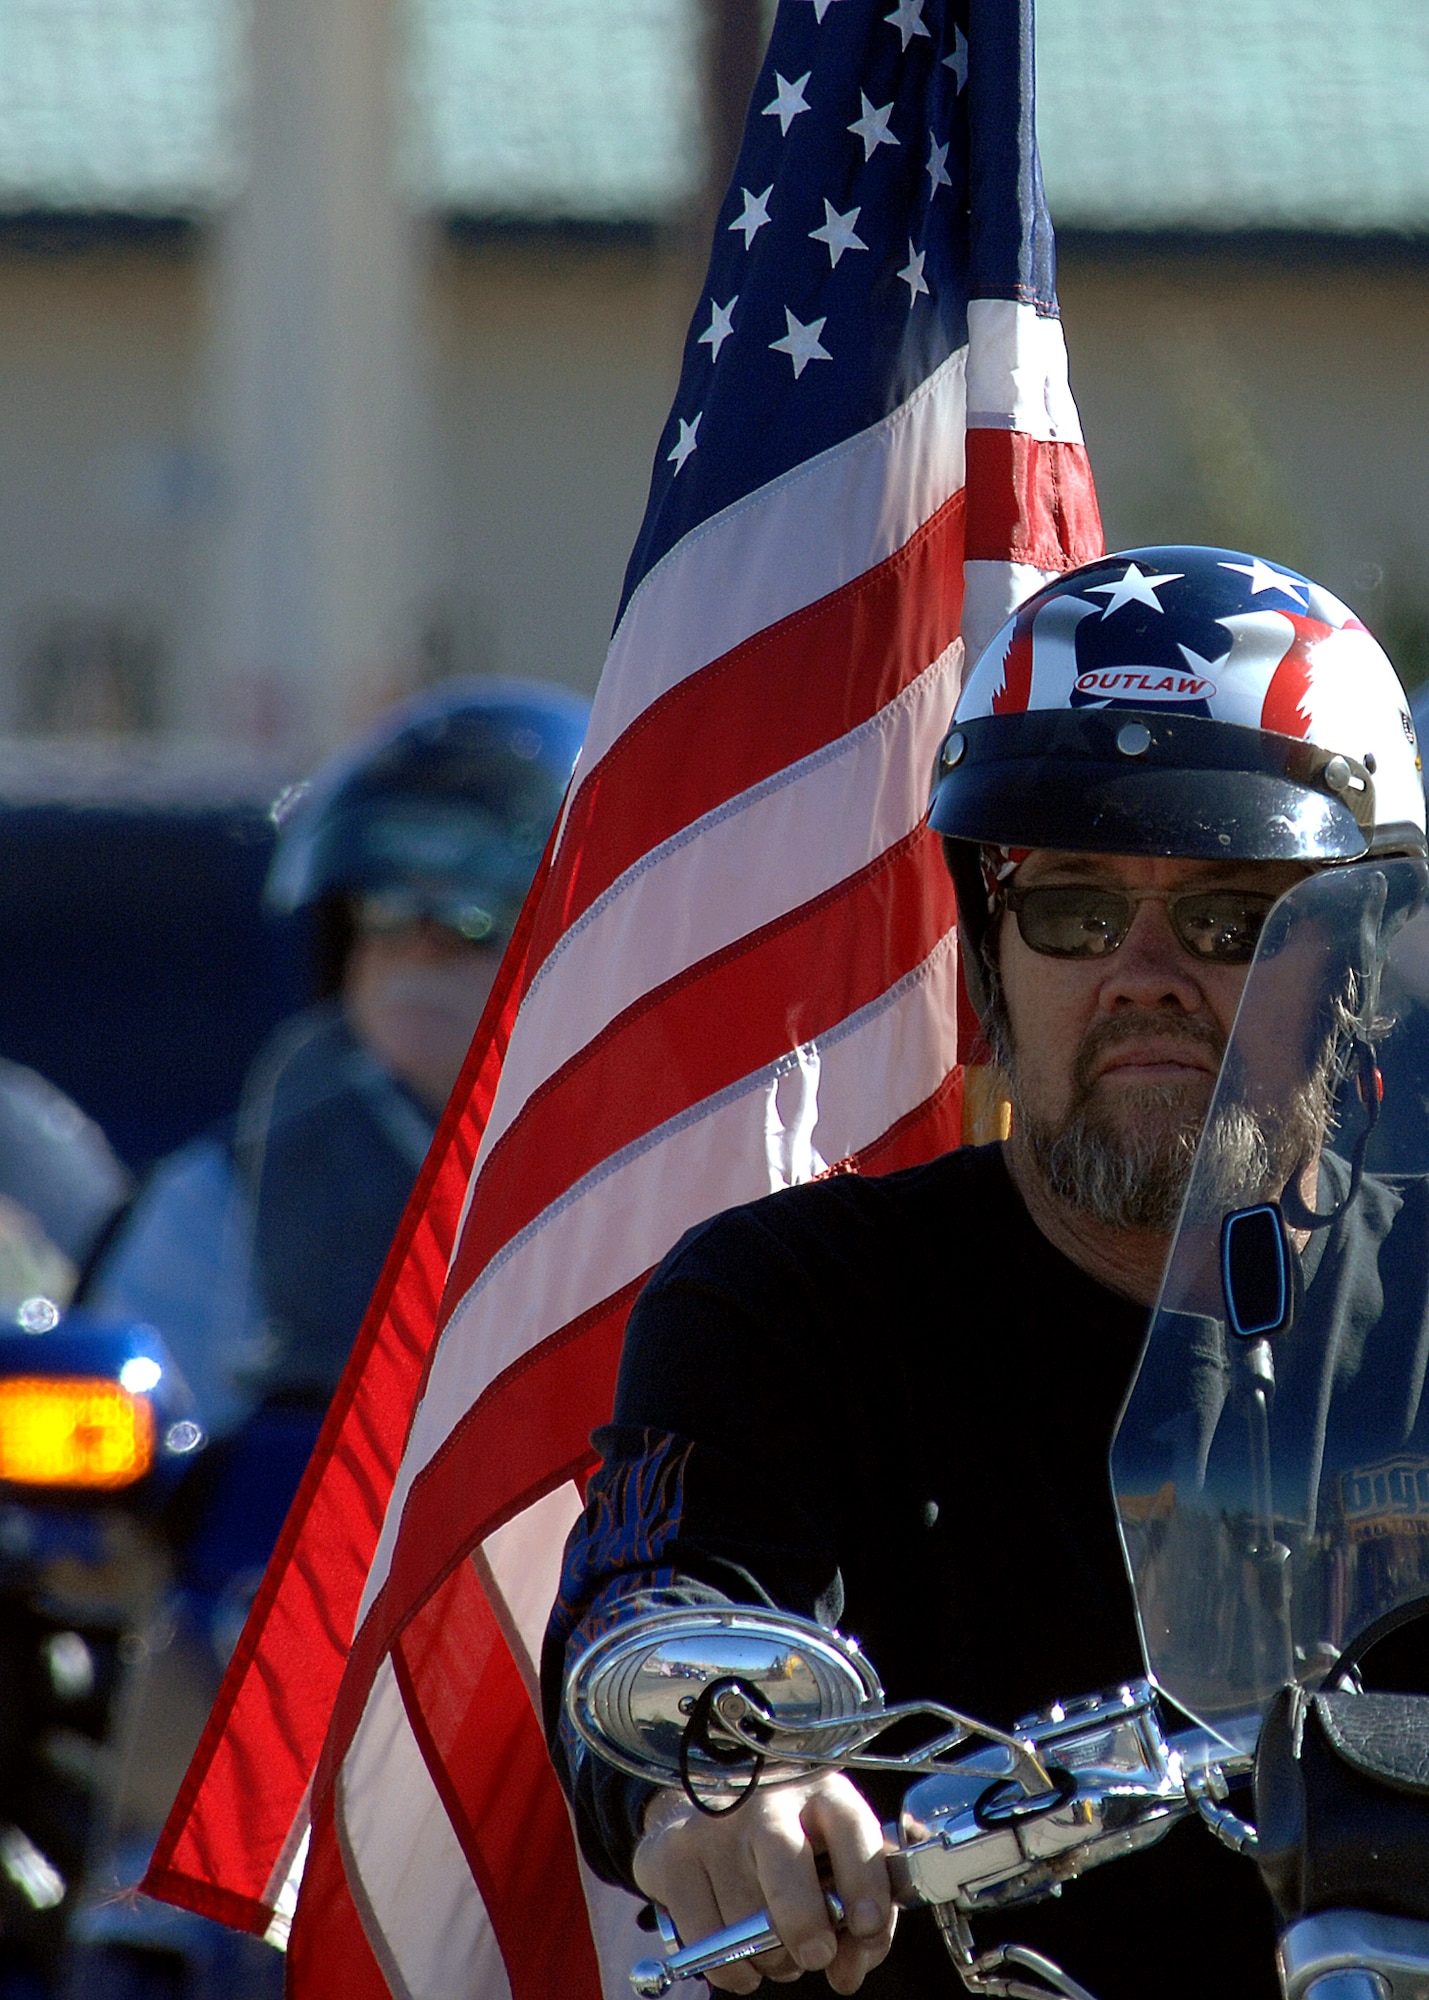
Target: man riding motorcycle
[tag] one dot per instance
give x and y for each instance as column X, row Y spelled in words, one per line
column 887, row 1403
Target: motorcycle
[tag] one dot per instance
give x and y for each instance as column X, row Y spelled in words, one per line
column 229, row 1251
column 96, row 1429
column 208, row 1549
column 1270, row 1475
column 144, row 975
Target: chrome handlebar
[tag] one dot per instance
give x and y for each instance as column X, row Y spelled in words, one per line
column 982, row 1831
column 654, row 1976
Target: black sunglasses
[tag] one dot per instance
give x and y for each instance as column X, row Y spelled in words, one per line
column 1083, row 921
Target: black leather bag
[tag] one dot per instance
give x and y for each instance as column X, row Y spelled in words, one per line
column 1342, row 1803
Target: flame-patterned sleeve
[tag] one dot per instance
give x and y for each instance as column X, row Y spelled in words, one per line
column 703, row 1494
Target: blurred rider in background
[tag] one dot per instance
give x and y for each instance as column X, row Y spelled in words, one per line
column 255, row 1248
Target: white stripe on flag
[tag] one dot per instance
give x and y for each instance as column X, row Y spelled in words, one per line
column 786, row 545
column 712, row 884
column 992, row 591
column 619, row 1940
column 1017, row 373
column 520, row 1567
column 420, row 1908
column 875, row 1067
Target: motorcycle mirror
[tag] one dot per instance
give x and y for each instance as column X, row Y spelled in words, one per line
column 633, row 1693
column 1255, row 1270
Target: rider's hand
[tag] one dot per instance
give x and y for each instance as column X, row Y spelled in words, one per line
column 711, row 1872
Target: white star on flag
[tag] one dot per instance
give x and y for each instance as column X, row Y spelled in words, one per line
column 907, row 18
column 821, row 7
column 685, row 442
column 937, row 168
column 837, row 232
column 1263, row 577
column 872, row 127
column 957, row 62
column 1135, row 588
column 801, row 343
column 788, row 100
column 756, row 213
column 912, row 273
column 720, row 328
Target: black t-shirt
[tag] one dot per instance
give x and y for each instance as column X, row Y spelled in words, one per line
column 887, row 1404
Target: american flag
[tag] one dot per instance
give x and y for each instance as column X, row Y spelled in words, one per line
column 737, row 968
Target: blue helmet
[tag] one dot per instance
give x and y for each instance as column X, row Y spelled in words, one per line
column 449, row 800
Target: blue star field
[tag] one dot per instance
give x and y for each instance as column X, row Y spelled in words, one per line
column 816, row 323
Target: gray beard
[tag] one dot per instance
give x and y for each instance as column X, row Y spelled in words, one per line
column 1132, row 1170
column 1131, row 1177
column 1251, row 1152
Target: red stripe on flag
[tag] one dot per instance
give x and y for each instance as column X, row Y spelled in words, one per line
column 471, row 1713
column 235, row 1809
column 529, row 1433
column 695, row 747
column 328, row 1951
column 1030, row 501
column 780, row 986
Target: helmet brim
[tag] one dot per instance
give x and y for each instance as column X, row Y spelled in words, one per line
column 1192, row 788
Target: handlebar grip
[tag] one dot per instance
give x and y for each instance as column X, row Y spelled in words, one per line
column 653, row 1977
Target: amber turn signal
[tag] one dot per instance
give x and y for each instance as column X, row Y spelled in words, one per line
column 81, row 1431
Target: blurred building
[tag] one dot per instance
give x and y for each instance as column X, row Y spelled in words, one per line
column 1242, row 193
column 1241, row 189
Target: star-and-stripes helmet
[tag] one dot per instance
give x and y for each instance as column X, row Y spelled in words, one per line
column 1179, row 701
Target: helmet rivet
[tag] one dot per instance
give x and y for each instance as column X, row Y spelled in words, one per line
column 1337, row 774
column 953, row 749
column 1133, row 739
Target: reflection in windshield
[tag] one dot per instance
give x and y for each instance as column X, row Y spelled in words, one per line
column 1273, row 1493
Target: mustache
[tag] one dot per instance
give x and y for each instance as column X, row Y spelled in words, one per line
column 1116, row 1029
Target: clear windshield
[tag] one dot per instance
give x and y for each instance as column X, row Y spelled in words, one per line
column 256, row 1248
column 1273, row 1492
